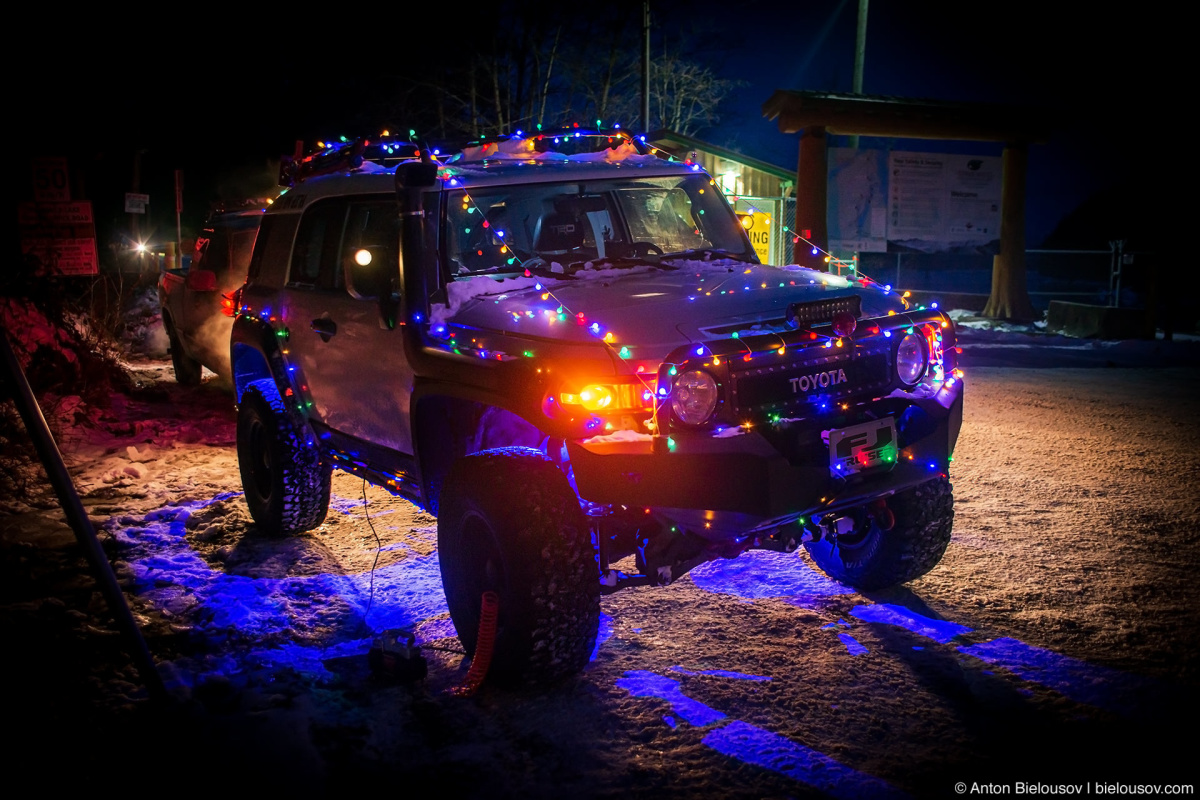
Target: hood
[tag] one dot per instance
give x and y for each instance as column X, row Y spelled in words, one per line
column 650, row 309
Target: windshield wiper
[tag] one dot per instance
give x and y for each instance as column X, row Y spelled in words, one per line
column 645, row 260
column 538, row 266
column 704, row 253
column 605, row 261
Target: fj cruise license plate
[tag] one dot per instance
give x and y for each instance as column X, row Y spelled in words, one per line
column 863, row 446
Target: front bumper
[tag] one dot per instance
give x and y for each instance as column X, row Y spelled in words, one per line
column 757, row 480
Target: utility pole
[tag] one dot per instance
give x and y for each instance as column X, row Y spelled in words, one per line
column 860, row 54
column 178, row 211
column 134, row 223
column 646, row 66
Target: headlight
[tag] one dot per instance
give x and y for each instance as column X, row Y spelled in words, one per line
column 912, row 358
column 694, row 397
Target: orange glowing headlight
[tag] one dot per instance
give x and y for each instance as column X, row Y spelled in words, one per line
column 604, row 397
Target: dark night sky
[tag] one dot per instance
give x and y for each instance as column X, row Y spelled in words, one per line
column 197, row 108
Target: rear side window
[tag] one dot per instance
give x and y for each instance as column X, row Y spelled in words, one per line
column 371, row 247
column 200, row 254
column 241, row 245
column 315, row 258
column 272, row 248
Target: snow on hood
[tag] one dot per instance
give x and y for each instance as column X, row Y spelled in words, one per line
column 657, row 309
column 463, row 290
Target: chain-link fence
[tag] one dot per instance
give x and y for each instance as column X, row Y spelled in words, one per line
column 1102, row 277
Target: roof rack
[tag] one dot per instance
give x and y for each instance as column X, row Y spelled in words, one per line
column 386, row 151
column 569, row 140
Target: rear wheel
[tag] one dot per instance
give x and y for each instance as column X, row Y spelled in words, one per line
column 187, row 369
column 285, row 480
column 508, row 522
column 873, row 558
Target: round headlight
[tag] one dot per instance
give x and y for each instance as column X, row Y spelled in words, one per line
column 694, row 397
column 912, row 357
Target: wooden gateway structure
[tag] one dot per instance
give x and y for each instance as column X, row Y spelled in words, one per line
column 813, row 115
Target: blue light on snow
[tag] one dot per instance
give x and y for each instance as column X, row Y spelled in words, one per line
column 762, row 748
column 175, row 578
column 852, row 644
column 763, row 573
column 436, row 629
column 753, row 745
column 641, row 683
column 602, row 635
column 888, row 614
column 1082, row 682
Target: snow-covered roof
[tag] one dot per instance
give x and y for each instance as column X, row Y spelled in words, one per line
column 544, row 156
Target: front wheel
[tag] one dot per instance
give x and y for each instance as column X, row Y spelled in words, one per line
column 286, row 482
column 508, row 522
column 873, row 558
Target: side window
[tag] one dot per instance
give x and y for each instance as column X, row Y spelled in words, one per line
column 481, row 231
column 370, row 249
column 272, row 247
column 216, row 257
column 241, row 243
column 200, row 254
column 315, row 258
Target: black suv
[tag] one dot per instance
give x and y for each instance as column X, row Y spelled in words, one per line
column 564, row 347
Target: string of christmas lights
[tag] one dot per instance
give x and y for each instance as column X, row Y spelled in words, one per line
column 562, row 312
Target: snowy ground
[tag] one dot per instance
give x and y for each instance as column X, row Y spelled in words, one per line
column 1058, row 640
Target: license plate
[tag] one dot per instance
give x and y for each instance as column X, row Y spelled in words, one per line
column 862, row 447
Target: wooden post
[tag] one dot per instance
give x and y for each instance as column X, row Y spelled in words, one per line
column 1010, row 297
column 812, row 184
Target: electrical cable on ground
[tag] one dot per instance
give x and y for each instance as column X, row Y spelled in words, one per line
column 378, row 547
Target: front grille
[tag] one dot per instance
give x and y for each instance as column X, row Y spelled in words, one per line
column 801, row 384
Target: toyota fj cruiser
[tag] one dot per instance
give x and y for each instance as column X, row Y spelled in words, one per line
column 564, row 347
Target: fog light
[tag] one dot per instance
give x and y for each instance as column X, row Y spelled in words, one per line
column 912, row 359
column 694, row 397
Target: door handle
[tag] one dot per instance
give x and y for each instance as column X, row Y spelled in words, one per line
column 324, row 327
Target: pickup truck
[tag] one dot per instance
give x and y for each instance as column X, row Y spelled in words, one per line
column 197, row 300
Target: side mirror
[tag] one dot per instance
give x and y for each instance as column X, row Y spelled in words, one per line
column 202, row 280
column 415, row 175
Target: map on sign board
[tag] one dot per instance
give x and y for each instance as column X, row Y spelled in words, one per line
column 941, row 203
column 901, row 201
column 857, row 201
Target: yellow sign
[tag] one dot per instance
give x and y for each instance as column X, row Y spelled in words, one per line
column 758, row 228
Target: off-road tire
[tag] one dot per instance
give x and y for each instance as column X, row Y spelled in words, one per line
column 877, row 559
column 187, row 369
column 284, row 478
column 509, row 522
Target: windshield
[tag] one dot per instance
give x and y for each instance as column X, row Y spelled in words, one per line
column 541, row 225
